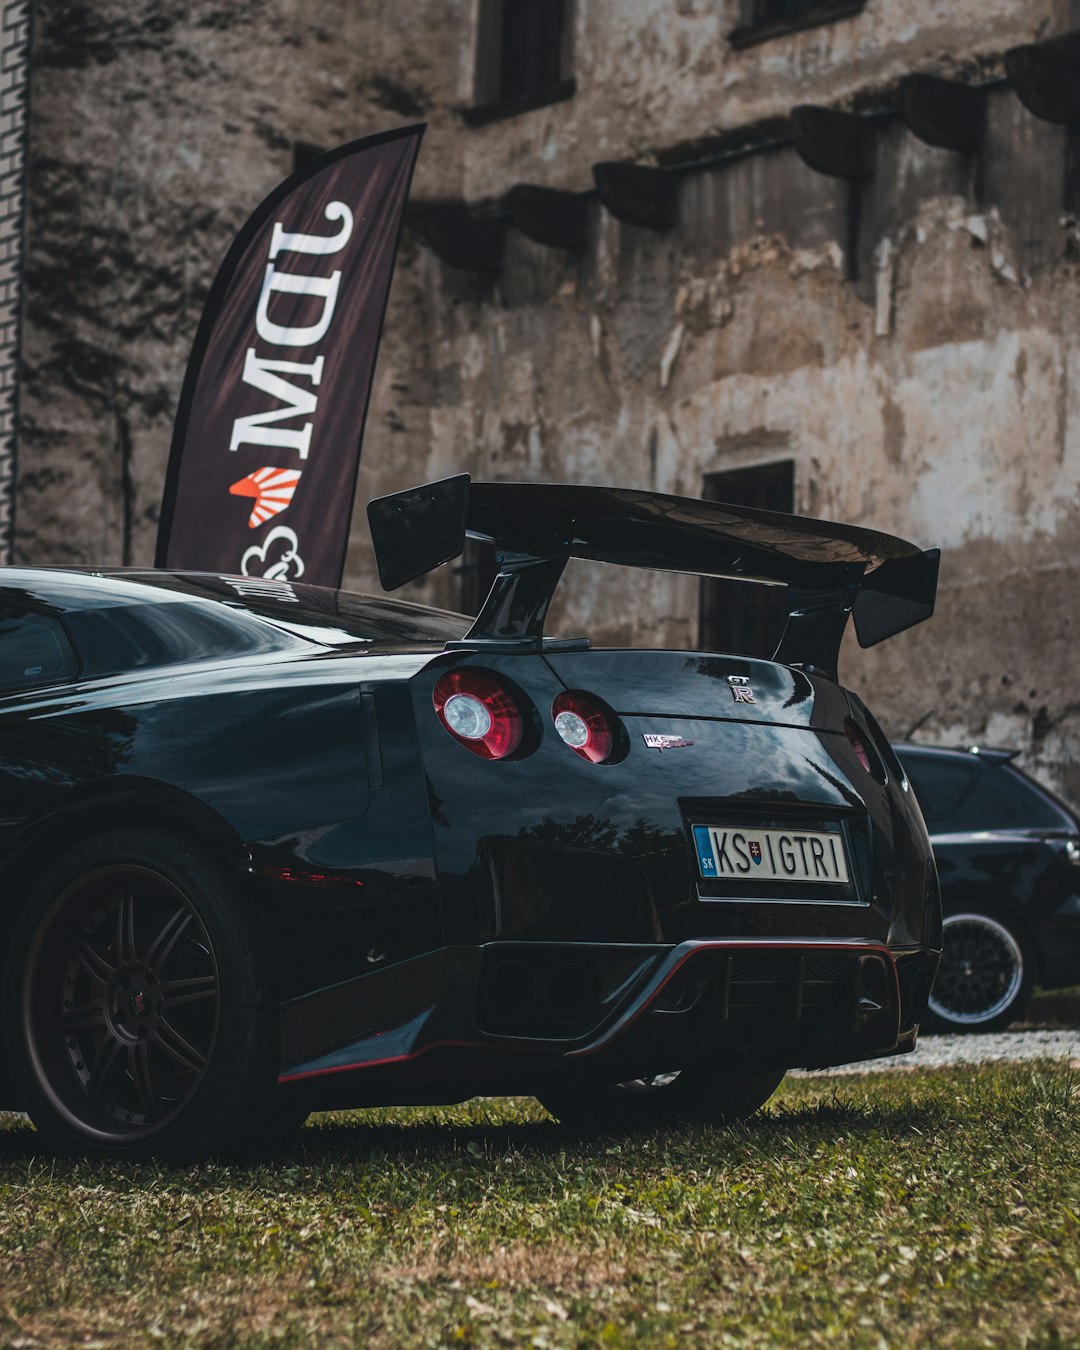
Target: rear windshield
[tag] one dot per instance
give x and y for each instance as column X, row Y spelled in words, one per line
column 317, row 614
column 962, row 795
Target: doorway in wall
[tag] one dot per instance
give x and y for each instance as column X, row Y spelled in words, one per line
column 734, row 616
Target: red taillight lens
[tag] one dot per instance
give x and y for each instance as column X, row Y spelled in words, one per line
column 583, row 725
column 479, row 712
column 852, row 733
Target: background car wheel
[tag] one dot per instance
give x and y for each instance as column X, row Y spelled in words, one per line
column 986, row 975
column 139, row 1017
column 698, row 1093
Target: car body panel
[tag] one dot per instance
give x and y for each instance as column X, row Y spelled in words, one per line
column 393, row 867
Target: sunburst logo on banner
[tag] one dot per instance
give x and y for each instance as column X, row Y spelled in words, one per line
column 272, row 489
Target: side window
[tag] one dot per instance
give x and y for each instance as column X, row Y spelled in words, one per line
column 34, row 650
column 1004, row 800
column 942, row 788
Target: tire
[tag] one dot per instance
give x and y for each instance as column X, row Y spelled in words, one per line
column 699, row 1093
column 138, row 1017
column 986, row 975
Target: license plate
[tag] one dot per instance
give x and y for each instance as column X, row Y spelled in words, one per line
column 771, row 855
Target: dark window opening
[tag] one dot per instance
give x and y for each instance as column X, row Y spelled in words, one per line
column 530, row 59
column 764, row 19
column 740, row 616
column 521, row 58
column 476, row 572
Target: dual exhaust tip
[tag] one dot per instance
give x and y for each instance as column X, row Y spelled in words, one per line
column 518, row 996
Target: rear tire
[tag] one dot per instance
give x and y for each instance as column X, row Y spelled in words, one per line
column 699, row 1093
column 137, row 1012
column 986, row 975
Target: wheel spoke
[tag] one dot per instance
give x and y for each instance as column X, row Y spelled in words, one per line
column 139, row 1068
column 194, row 990
column 99, row 1074
column 179, row 1048
column 84, row 1017
column 93, row 962
column 171, row 932
column 125, row 931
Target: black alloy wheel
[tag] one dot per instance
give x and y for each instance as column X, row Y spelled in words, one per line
column 142, row 1024
column 700, row 1092
column 986, row 974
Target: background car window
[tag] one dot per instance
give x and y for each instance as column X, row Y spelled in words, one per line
column 1007, row 799
column 964, row 796
column 941, row 786
column 34, row 650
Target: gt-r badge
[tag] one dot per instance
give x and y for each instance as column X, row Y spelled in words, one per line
column 658, row 741
column 740, row 689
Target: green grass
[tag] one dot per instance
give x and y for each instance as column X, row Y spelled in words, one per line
column 933, row 1208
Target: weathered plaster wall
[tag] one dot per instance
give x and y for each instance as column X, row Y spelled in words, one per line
column 156, row 127
column 935, row 396
column 657, row 74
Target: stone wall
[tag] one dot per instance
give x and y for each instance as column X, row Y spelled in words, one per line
column 158, row 125
column 14, row 72
column 658, row 78
column 924, row 381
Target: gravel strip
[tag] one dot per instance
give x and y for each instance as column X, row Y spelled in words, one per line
column 939, row 1052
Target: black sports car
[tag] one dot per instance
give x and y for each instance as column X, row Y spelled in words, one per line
column 266, row 848
column 1008, row 855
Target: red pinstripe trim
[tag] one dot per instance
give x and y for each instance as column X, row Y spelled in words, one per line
column 377, row 1063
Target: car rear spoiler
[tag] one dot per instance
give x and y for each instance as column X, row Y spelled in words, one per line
column 830, row 570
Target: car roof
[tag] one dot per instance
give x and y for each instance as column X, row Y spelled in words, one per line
column 71, row 591
column 988, row 754
column 72, row 588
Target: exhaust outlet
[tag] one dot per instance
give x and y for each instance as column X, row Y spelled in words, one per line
column 570, row 994
column 873, row 985
column 510, row 992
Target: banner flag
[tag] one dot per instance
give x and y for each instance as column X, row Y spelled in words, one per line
column 266, row 445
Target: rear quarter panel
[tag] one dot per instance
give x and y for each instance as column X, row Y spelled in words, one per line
column 270, row 760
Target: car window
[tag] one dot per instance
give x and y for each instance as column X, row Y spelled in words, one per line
column 1029, row 807
column 34, row 650
column 942, row 786
column 120, row 638
column 962, row 796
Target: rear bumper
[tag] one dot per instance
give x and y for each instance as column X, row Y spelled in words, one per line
column 508, row 1018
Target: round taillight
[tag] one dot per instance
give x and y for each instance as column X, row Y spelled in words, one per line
column 584, row 726
column 857, row 745
column 860, row 743
column 479, row 712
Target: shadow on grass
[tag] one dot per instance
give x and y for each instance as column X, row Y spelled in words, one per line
column 439, row 1144
column 360, row 1137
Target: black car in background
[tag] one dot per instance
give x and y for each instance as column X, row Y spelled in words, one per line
column 1008, row 857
